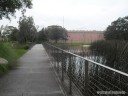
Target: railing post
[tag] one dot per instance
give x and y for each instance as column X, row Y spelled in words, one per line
column 51, row 54
column 86, row 77
column 54, row 59
column 57, row 55
column 62, row 54
column 70, row 75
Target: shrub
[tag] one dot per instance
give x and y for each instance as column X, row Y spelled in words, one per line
column 22, row 46
column 114, row 52
column 26, row 47
column 7, row 52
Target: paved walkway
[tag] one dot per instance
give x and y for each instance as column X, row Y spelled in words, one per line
column 34, row 76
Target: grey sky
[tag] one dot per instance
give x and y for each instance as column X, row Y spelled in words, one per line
column 78, row 14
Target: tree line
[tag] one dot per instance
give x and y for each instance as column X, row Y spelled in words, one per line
column 27, row 30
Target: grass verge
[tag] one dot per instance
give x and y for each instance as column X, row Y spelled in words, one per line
column 74, row 44
column 19, row 52
column 11, row 52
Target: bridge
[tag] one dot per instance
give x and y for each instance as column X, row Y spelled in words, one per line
column 46, row 70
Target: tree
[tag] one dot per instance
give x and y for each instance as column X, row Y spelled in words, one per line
column 5, row 32
column 8, row 32
column 1, row 29
column 42, row 35
column 27, row 30
column 118, row 30
column 14, row 34
column 9, row 7
column 56, row 33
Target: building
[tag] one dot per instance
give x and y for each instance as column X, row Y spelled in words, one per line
column 84, row 36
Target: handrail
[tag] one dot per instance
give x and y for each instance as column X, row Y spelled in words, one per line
column 112, row 69
column 88, row 76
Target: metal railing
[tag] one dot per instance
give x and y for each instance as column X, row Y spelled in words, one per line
column 81, row 76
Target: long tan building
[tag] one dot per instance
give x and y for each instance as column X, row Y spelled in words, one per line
column 84, row 36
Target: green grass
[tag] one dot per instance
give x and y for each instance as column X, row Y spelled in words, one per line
column 74, row 44
column 19, row 52
column 7, row 52
column 11, row 52
column 77, row 44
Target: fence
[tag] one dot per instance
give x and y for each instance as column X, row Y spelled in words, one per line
column 84, row 77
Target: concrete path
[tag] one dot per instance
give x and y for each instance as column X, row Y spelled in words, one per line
column 34, row 76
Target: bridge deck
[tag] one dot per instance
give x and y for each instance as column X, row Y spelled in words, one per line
column 33, row 77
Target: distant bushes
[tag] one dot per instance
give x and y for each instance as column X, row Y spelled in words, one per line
column 26, row 47
column 114, row 52
column 22, row 46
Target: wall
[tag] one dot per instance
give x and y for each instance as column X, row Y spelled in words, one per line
column 84, row 36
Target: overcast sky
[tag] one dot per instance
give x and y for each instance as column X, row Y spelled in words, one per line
column 76, row 14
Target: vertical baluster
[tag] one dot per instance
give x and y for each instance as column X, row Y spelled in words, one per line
column 70, row 74
column 86, row 78
column 57, row 59
column 62, row 62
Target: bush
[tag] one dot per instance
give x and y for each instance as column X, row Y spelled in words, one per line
column 26, row 47
column 22, row 46
column 114, row 52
